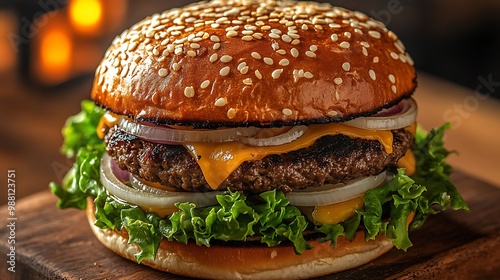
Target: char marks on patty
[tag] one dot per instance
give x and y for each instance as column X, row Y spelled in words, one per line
column 330, row 160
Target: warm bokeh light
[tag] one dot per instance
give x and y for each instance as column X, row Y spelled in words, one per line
column 54, row 53
column 86, row 15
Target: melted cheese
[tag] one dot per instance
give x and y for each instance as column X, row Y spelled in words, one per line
column 338, row 212
column 160, row 212
column 408, row 162
column 218, row 160
column 107, row 120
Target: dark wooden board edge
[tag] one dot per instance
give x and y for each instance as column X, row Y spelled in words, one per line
column 58, row 244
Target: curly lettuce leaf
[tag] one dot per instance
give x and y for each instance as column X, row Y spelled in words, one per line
column 420, row 194
column 236, row 218
column 80, row 139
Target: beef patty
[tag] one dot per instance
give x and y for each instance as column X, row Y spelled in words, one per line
column 330, row 160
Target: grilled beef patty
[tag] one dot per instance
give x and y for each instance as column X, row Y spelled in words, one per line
column 330, row 160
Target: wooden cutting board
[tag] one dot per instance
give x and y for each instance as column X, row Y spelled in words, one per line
column 58, row 244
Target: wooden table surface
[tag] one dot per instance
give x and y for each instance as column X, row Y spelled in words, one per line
column 58, row 244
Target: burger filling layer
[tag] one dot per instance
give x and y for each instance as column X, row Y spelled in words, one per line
column 330, row 160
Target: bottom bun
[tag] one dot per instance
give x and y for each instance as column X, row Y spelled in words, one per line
column 252, row 262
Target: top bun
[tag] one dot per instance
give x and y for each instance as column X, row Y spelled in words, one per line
column 246, row 62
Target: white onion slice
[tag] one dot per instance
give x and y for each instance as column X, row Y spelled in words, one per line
column 137, row 184
column 404, row 118
column 291, row 135
column 330, row 194
column 148, row 199
column 167, row 135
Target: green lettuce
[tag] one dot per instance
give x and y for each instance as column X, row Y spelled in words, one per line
column 268, row 217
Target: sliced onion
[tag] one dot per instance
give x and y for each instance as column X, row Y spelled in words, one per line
column 330, row 194
column 382, row 121
column 291, row 135
column 145, row 198
column 138, row 184
column 167, row 135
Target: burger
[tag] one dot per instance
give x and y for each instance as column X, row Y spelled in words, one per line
column 255, row 139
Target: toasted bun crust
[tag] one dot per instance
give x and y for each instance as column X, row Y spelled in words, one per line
column 247, row 62
column 224, row 262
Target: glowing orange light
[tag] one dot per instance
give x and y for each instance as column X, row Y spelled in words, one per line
column 86, row 15
column 55, row 55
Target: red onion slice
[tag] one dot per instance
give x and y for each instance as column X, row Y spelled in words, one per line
column 167, row 135
column 389, row 119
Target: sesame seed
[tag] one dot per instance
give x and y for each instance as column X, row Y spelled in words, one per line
column 214, row 38
column 224, row 71
column 244, row 70
column 276, row 31
column 287, row 112
column 205, row 84
column 194, row 45
column 268, row 61
column 374, row 34
column 313, row 48
column 162, row 72
column 333, row 113
column 365, row 51
column 220, row 102
column 372, row 74
column 247, row 81
column 286, row 38
column 231, row 33
column 132, row 46
column 310, row 54
column 357, row 30
column 394, row 89
column 294, row 52
column 338, row 81
column 124, row 71
column 276, row 73
column 334, row 25
column 176, row 66
column 255, row 55
column 247, row 38
column 402, row 57
column 304, row 27
column 365, row 44
column 394, row 55
column 241, row 65
column 392, row 78
column 191, row 53
column 265, row 27
column 345, row 45
column 281, row 51
column 226, row 58
column 213, row 57
column 347, row 34
column 216, row 46
column 376, row 59
column 274, row 35
column 284, row 62
column 308, row 75
column 231, row 113
column 346, row 66
column 334, row 37
column 295, row 42
column 189, row 92
column 258, row 74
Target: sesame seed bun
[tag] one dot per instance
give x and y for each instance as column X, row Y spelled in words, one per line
column 260, row 63
column 259, row 262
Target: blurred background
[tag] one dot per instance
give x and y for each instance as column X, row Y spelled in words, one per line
column 50, row 48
